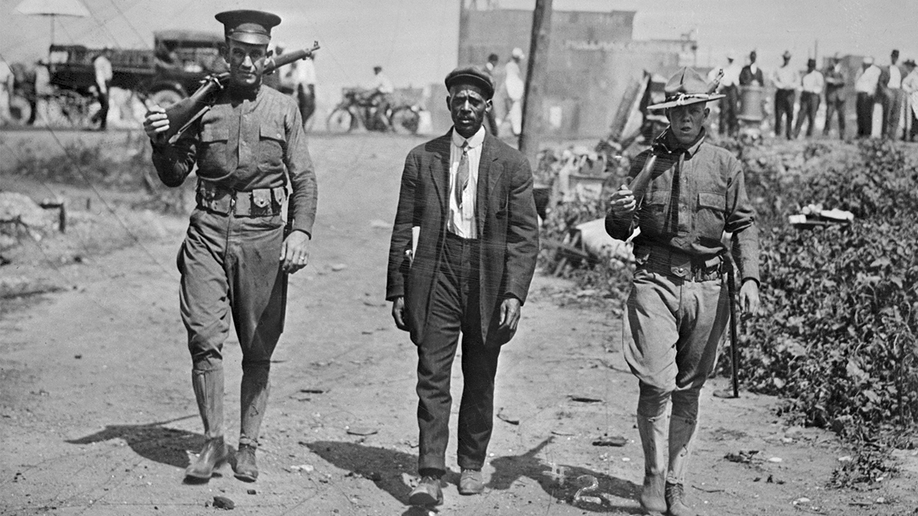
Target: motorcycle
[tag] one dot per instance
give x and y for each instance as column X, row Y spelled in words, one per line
column 361, row 108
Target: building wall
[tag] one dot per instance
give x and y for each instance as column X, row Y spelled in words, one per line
column 592, row 60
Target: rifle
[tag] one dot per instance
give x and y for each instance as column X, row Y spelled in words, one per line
column 184, row 113
column 731, row 289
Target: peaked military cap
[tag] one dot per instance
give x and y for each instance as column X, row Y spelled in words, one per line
column 687, row 87
column 473, row 75
column 247, row 26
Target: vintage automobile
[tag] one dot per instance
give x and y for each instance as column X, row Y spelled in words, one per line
column 168, row 73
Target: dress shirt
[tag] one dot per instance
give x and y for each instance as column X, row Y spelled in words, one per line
column 785, row 78
column 103, row 71
column 813, row 82
column 381, row 83
column 462, row 220
column 731, row 75
column 867, row 82
column 895, row 77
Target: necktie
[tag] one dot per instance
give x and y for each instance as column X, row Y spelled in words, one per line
column 462, row 176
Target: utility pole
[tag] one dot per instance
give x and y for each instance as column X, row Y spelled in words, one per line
column 536, row 78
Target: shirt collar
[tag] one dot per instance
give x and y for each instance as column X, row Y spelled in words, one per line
column 476, row 139
column 667, row 143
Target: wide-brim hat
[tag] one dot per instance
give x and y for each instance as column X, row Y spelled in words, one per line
column 909, row 62
column 473, row 75
column 248, row 26
column 687, row 87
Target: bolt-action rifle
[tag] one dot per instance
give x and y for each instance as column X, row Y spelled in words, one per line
column 183, row 113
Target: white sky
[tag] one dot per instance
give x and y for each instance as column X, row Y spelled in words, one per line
column 416, row 40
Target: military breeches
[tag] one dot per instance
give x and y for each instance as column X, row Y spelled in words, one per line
column 231, row 266
column 672, row 330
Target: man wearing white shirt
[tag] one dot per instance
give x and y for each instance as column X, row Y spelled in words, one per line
column 866, row 88
column 812, row 84
column 729, row 86
column 892, row 96
column 461, row 258
column 380, row 89
column 786, row 83
column 910, row 87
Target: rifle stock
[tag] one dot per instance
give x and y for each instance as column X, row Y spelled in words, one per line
column 183, row 113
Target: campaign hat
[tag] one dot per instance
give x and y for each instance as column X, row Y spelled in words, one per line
column 686, row 87
column 248, row 26
column 786, row 54
column 473, row 75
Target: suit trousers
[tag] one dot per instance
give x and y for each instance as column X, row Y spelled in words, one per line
column 455, row 308
column 833, row 107
column 809, row 105
column 864, row 114
column 728, row 123
column 784, row 105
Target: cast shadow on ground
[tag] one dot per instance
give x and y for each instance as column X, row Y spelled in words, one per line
column 153, row 441
column 583, row 488
column 389, row 468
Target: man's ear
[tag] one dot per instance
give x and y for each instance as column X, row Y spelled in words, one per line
column 707, row 111
column 448, row 105
column 488, row 105
column 268, row 54
column 224, row 51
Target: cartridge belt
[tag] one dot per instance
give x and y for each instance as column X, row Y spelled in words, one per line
column 261, row 202
column 664, row 260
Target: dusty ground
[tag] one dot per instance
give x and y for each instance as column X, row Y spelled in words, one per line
column 97, row 414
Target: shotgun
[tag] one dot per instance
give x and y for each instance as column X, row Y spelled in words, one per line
column 731, row 290
column 183, row 113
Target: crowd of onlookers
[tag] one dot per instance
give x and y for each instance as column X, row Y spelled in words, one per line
column 798, row 95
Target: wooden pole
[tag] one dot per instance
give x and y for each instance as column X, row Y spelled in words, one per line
column 536, row 78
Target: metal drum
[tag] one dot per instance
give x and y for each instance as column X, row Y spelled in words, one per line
column 751, row 103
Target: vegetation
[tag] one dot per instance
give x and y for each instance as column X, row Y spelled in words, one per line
column 836, row 335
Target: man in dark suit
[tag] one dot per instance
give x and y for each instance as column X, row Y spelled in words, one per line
column 462, row 255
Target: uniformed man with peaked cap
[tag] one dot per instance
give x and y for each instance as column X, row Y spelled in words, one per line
column 689, row 196
column 250, row 153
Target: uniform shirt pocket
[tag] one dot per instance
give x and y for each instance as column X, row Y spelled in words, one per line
column 271, row 143
column 709, row 218
column 653, row 212
column 214, row 140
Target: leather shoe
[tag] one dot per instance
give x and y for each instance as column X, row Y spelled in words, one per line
column 653, row 500
column 675, row 503
column 245, row 467
column 470, row 482
column 212, row 456
column 427, row 492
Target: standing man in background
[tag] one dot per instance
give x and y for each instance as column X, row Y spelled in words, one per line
column 491, row 69
column 7, row 81
column 250, row 151
column 103, row 71
column 729, row 88
column 811, row 90
column 513, row 90
column 379, row 91
column 298, row 79
column 891, row 96
column 910, row 87
column 751, row 74
column 786, row 83
column 678, row 309
column 835, row 96
column 462, row 255
column 866, row 88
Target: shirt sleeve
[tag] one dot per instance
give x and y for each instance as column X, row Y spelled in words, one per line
column 300, row 169
column 620, row 228
column 173, row 162
column 741, row 222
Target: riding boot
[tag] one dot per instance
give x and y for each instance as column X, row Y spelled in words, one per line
column 254, row 400
column 653, row 439
column 681, row 438
column 208, row 390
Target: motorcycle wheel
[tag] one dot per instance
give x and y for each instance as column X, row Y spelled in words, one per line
column 340, row 121
column 405, row 120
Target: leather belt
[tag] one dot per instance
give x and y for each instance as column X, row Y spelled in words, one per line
column 261, row 202
column 663, row 260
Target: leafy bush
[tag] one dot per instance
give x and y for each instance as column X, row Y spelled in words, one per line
column 837, row 336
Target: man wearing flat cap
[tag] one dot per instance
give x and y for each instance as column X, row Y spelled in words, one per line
column 685, row 199
column 251, row 160
column 461, row 258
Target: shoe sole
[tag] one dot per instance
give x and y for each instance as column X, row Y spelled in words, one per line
column 423, row 499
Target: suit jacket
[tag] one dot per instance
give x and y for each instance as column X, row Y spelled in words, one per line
column 507, row 229
column 746, row 76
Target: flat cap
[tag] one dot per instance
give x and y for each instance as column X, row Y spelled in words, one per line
column 473, row 75
column 686, row 87
column 786, row 54
column 247, row 26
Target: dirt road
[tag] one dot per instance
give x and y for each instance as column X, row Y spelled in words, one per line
column 97, row 414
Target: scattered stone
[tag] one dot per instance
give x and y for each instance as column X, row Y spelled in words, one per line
column 250, row 491
column 775, row 459
column 563, row 433
column 380, row 224
column 584, row 399
column 338, row 267
column 507, row 418
column 222, row 502
column 302, row 467
column 801, row 500
column 846, row 458
column 362, row 430
column 610, row 440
